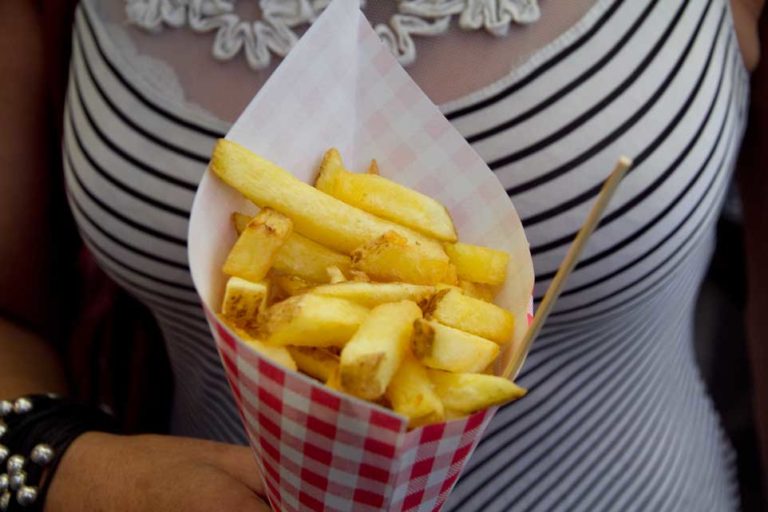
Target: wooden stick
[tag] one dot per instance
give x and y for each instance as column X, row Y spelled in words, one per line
column 570, row 260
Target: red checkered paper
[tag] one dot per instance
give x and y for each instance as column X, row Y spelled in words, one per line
column 319, row 449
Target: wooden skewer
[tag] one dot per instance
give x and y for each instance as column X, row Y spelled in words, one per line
column 570, row 260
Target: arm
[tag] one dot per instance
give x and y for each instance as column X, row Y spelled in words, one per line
column 28, row 364
column 753, row 184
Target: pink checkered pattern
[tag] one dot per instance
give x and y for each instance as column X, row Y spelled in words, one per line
column 322, row 450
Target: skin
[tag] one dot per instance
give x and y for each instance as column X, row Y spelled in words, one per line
column 124, row 474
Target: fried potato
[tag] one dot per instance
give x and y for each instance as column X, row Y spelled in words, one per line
column 478, row 264
column 385, row 198
column 315, row 215
column 335, row 275
column 373, row 355
column 316, row 362
column 470, row 392
column 411, row 394
column 243, row 300
column 392, row 257
column 279, row 355
column 312, row 320
column 479, row 291
column 452, row 308
column 240, row 221
column 334, row 381
column 445, row 348
column 374, row 167
column 254, row 252
column 287, row 286
column 373, row 294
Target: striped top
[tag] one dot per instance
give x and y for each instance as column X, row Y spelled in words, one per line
column 617, row 417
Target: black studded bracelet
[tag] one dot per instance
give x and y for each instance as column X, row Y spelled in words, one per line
column 35, row 432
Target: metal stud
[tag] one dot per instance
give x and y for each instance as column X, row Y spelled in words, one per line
column 4, row 453
column 41, row 454
column 4, row 483
column 6, row 408
column 26, row 495
column 17, row 480
column 3, row 428
column 22, row 405
column 15, row 464
column 5, row 500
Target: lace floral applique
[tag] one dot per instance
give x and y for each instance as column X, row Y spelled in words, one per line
column 275, row 34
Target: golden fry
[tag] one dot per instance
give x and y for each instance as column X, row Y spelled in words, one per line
column 385, row 198
column 411, row 394
column 452, row 308
column 316, row 362
column 484, row 292
column 254, row 252
column 373, row 355
column 391, row 257
column 373, row 294
column 335, row 275
column 478, row 264
column 374, row 167
column 312, row 320
column 315, row 215
column 470, row 392
column 244, row 300
column 279, row 355
column 445, row 348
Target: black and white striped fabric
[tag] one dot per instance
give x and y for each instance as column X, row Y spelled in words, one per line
column 617, row 417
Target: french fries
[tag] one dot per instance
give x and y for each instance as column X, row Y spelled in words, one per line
column 373, row 355
column 316, row 362
column 444, row 348
column 453, row 308
column 471, row 392
column 300, row 256
column 312, row 320
column 411, row 394
column 315, row 215
column 478, row 264
column 373, row 294
column 385, row 198
column 255, row 250
column 244, row 300
column 279, row 355
column 391, row 257
column 361, row 284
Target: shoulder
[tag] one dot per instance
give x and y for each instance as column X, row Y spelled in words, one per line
column 746, row 18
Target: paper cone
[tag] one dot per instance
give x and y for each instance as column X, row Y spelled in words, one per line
column 318, row 449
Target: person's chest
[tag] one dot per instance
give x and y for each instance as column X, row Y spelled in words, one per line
column 659, row 82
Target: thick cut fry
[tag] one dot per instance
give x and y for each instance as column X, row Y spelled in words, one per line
column 312, row 320
column 478, row 264
column 373, row 294
column 316, row 362
column 254, row 252
column 391, row 257
column 446, row 348
column 243, row 300
column 300, row 256
column 240, row 221
column 470, row 392
column 279, row 355
column 315, row 215
column 334, row 381
column 385, row 198
column 335, row 275
column 411, row 394
column 484, row 292
column 454, row 309
column 375, row 352
column 374, row 167
column 285, row 286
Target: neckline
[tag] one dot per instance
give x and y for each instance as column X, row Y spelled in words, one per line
column 209, row 120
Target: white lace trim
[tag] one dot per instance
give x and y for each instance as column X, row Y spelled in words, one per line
column 275, row 34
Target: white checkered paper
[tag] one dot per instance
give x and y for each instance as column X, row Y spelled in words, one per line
column 340, row 87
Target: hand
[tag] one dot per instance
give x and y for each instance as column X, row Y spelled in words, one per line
column 103, row 472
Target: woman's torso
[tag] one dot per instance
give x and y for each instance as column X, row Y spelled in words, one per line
column 616, row 416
